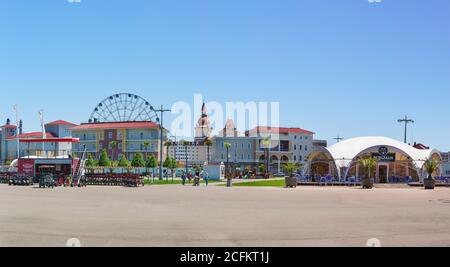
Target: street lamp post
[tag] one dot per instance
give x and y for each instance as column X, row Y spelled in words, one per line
column 406, row 121
column 16, row 110
column 161, row 111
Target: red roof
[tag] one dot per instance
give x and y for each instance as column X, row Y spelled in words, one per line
column 32, row 135
column 276, row 130
column 51, row 140
column 61, row 122
column 116, row 125
column 421, row 146
column 9, row 126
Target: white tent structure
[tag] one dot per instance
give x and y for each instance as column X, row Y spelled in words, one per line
column 345, row 154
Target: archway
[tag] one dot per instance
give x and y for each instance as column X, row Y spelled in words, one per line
column 274, row 164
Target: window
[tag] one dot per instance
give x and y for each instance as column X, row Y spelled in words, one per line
column 295, row 158
column 142, row 136
column 119, row 135
column 249, row 145
column 101, row 146
column 110, row 135
column 295, row 147
column 306, row 148
column 300, row 158
column 300, row 147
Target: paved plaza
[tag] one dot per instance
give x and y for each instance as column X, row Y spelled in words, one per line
column 218, row 216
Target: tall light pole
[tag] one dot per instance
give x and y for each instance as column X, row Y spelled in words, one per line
column 161, row 145
column 16, row 110
column 338, row 139
column 406, row 121
column 41, row 117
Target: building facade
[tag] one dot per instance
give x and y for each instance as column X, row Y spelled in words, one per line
column 56, row 129
column 396, row 161
column 249, row 150
column 118, row 138
column 446, row 163
column 286, row 145
column 197, row 151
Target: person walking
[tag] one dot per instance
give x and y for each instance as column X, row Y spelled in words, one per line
column 183, row 178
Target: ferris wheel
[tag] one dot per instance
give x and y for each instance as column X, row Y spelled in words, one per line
column 123, row 107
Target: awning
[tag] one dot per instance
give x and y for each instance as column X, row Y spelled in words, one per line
column 51, row 140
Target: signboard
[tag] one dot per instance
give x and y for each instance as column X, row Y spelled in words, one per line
column 26, row 167
column 383, row 155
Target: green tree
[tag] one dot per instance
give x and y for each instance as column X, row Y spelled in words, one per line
column 91, row 162
column 291, row 168
column 431, row 166
column 113, row 145
column 138, row 161
column 167, row 144
column 266, row 144
column 369, row 164
column 151, row 163
column 167, row 162
column 123, row 162
column 146, row 145
column 104, row 160
column 208, row 144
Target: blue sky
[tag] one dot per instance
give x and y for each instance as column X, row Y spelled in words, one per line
column 344, row 67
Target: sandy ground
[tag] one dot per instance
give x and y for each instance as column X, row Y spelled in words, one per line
column 220, row 216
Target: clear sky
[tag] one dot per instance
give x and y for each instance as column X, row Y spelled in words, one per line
column 345, row 67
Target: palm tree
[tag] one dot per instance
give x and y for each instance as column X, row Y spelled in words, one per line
column 266, row 143
column 167, row 144
column 146, row 145
column 369, row 165
column 208, row 144
column 290, row 168
column 113, row 145
column 431, row 166
column 227, row 146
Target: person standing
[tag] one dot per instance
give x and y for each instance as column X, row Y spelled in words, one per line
column 206, row 178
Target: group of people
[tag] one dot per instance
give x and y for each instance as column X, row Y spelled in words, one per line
column 197, row 177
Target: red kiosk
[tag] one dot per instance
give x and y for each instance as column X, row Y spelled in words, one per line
column 62, row 165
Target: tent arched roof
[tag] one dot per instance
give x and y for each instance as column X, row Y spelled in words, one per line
column 346, row 151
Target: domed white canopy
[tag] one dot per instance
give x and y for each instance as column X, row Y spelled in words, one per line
column 345, row 152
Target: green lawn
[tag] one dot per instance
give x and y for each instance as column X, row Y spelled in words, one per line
column 174, row 182
column 262, row 183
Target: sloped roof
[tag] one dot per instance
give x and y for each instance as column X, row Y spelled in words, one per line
column 115, row 125
column 61, row 122
column 9, row 126
column 281, row 130
column 31, row 135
